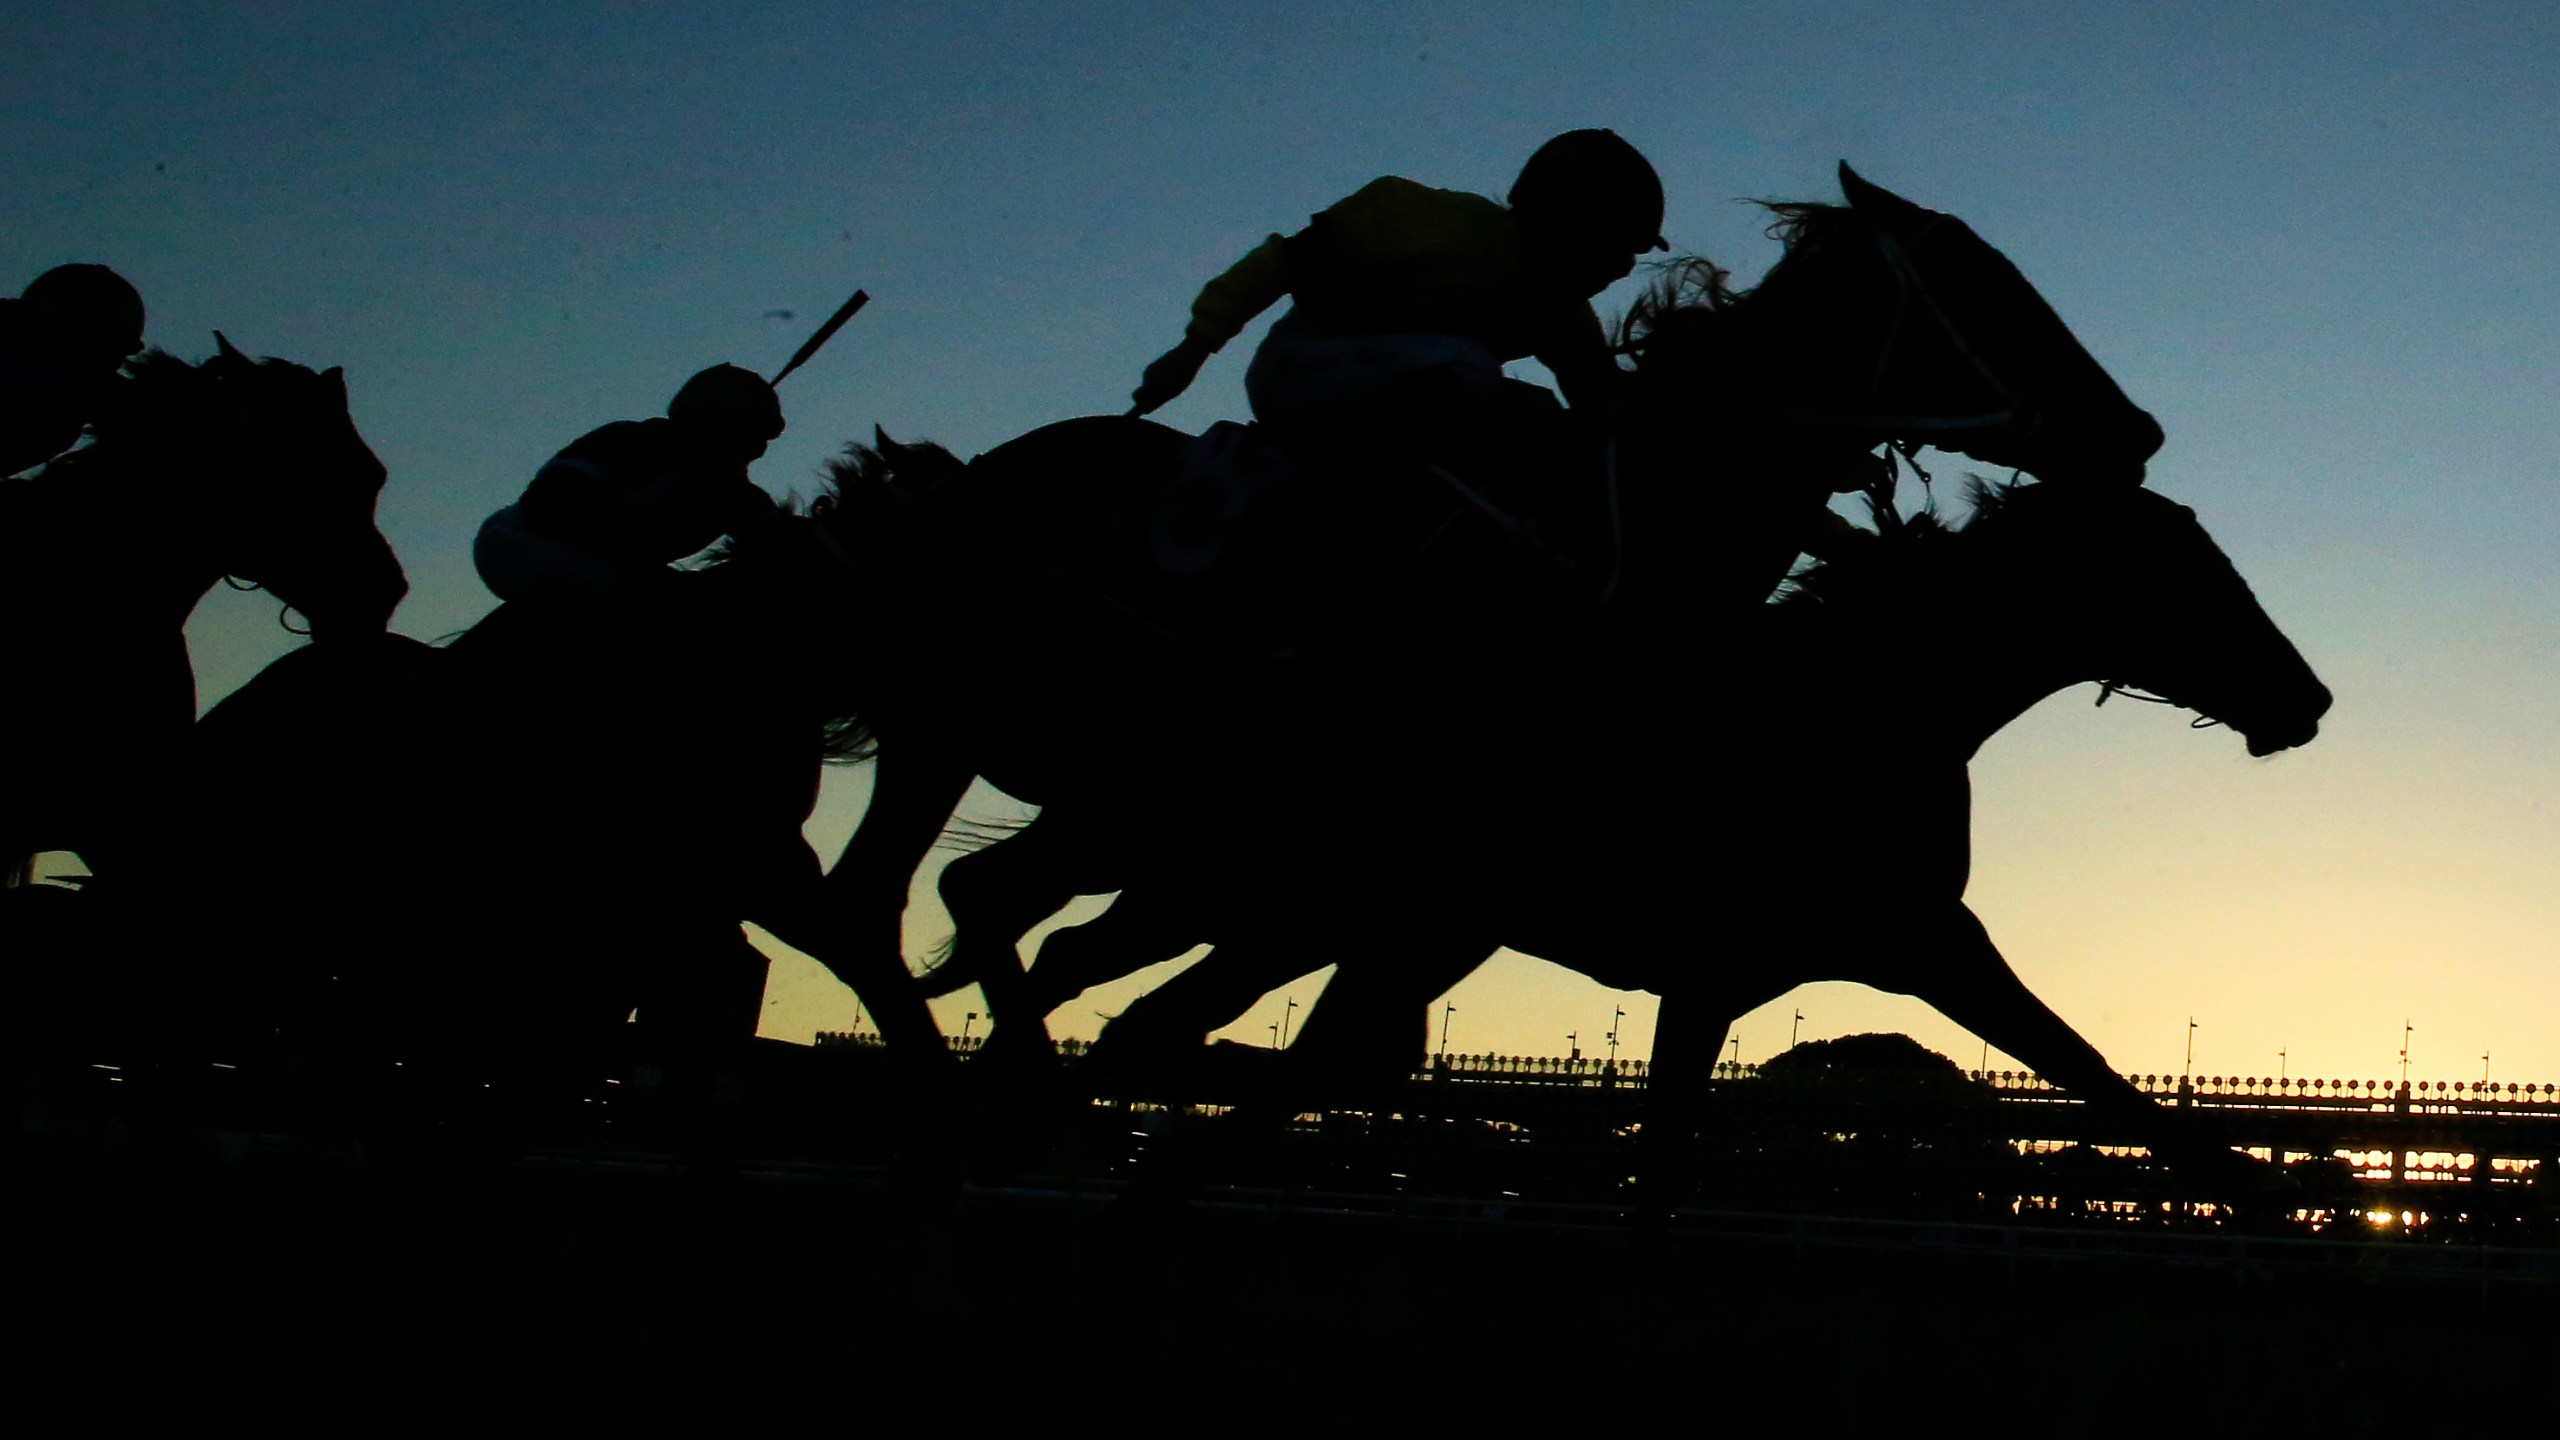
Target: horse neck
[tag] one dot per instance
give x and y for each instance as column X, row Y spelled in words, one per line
column 1720, row 473
column 167, row 558
column 2011, row 651
column 753, row 616
column 107, row 553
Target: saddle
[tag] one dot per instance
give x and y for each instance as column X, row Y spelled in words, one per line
column 1258, row 548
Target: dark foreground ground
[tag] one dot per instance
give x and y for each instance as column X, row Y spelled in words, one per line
column 584, row 1295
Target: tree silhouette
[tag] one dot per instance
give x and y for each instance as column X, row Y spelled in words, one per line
column 1876, row 1066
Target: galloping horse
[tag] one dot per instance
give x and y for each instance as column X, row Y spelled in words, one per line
column 500, row 844
column 2045, row 589
column 251, row 469
column 1882, row 322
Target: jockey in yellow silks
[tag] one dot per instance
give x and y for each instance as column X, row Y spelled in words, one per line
column 1408, row 300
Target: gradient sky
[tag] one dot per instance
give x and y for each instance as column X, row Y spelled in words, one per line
column 2319, row 249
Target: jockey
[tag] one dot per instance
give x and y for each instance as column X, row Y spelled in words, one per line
column 1409, row 300
column 61, row 343
column 623, row 502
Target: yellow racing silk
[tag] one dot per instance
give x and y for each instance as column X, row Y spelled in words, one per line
column 1401, row 257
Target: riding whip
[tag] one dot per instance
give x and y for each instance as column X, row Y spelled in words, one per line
column 825, row 333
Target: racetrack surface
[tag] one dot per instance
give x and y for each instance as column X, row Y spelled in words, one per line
column 576, row 1293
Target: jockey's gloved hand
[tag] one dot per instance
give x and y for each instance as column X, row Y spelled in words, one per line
column 1170, row 375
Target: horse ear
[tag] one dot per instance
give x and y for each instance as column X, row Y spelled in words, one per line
column 1880, row 205
column 336, row 375
column 222, row 346
column 889, row 449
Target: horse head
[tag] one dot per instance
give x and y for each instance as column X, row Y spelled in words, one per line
column 1883, row 323
column 292, row 507
column 2149, row 603
column 1886, row 322
column 1995, row 373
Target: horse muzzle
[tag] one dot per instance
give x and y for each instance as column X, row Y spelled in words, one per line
column 2268, row 737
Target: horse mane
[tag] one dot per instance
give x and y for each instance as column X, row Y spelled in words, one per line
column 1905, row 550
column 170, row 398
column 865, row 488
column 865, row 492
column 875, row 485
column 1690, row 291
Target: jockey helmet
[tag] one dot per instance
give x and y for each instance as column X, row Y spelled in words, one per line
column 90, row 312
column 1594, row 181
column 730, row 409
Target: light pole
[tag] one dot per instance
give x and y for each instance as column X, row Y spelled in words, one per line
column 1792, row 1030
column 2279, row 1067
column 2406, row 1030
column 2484, row 1067
column 1289, row 1010
column 1573, row 1044
column 1274, row 1028
column 1446, row 1010
column 966, row 1021
column 1737, row 1052
column 2190, row 1077
column 1616, row 1022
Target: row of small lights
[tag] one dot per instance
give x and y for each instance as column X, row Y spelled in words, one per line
column 2476, row 1087
column 2439, row 1087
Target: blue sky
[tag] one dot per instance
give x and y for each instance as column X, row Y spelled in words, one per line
column 2319, row 250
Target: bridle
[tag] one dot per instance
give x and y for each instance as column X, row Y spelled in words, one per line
column 2108, row 689
column 1914, row 297
column 284, row 613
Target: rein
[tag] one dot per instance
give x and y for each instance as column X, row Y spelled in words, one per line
column 2107, row 689
column 284, row 613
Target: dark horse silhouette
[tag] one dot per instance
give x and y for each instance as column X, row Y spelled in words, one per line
column 506, row 846
column 1475, row 754
column 1408, row 617
column 251, row 469
column 2046, row 588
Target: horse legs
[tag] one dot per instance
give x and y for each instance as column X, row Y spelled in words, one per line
column 1359, row 1044
column 913, row 792
column 1688, row 1033
column 1141, row 928
column 1370, row 1030
column 1372, row 1024
column 995, row 896
column 1177, row 1016
column 1959, row 972
column 700, row 1008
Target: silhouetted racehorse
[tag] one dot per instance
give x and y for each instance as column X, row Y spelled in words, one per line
column 1879, row 678
column 504, row 847
column 1487, row 747
column 251, row 469
column 1386, row 620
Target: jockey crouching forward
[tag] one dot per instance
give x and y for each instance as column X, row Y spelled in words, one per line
column 61, row 344
column 592, row 608
column 1408, row 300
column 604, row 518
